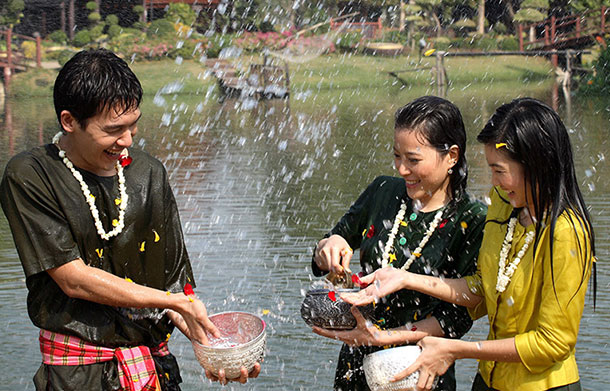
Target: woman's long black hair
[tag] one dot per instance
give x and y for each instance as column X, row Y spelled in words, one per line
column 534, row 136
column 440, row 123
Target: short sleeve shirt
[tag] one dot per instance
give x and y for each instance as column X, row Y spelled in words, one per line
column 52, row 224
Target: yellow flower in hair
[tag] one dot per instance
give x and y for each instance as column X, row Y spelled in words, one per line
column 142, row 246
column 128, row 279
column 157, row 237
column 464, row 224
column 100, row 252
column 500, row 145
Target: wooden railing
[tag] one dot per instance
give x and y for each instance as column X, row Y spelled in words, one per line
column 13, row 57
column 554, row 32
column 368, row 29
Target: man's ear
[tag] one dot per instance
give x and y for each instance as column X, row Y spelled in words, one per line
column 68, row 122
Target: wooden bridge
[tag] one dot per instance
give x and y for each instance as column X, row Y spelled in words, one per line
column 13, row 58
column 570, row 32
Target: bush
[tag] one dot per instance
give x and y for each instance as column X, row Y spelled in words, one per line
column 29, row 49
column 96, row 32
column 218, row 42
column 160, row 28
column 394, row 36
column 508, row 44
column 599, row 82
column 114, row 31
column 91, row 6
column 112, row 20
column 94, row 17
column 82, row 38
column 486, row 43
column 64, row 56
column 138, row 9
column 441, row 43
column 348, row 42
column 58, row 36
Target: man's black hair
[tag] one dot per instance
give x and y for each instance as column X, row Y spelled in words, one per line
column 93, row 81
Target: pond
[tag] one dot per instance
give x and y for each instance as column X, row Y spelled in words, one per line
column 259, row 183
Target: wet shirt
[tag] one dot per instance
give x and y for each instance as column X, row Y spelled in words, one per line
column 52, row 224
column 542, row 304
column 450, row 252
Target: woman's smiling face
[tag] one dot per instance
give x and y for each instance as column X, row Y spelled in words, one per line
column 424, row 169
column 508, row 175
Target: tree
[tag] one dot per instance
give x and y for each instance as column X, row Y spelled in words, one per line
column 481, row 17
column 11, row 12
column 532, row 11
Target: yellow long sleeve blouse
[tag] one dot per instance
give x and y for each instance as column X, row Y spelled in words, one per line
column 541, row 308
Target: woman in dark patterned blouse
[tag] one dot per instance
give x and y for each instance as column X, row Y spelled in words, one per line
column 423, row 222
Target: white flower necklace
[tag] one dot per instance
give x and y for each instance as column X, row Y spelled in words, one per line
column 392, row 236
column 121, row 202
column 505, row 273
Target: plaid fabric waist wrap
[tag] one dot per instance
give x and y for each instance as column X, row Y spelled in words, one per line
column 135, row 365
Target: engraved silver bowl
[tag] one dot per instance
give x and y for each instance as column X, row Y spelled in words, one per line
column 242, row 343
column 319, row 310
column 380, row 366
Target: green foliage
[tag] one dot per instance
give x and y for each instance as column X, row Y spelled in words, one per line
column 91, row 6
column 11, row 12
column 96, row 32
column 441, row 43
column 112, row 20
column 82, row 38
column 529, row 15
column 181, row 13
column 537, row 4
column 94, row 17
column 508, row 43
column 599, row 83
column 64, row 56
column 160, row 28
column 463, row 27
column 394, row 36
column 349, row 42
column 139, row 26
column 218, row 42
column 266, row 27
column 114, row 31
column 138, row 9
column 58, row 36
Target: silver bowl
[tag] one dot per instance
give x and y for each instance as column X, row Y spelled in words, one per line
column 319, row 310
column 383, row 364
column 242, row 343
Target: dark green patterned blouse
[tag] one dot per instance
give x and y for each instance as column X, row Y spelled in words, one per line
column 450, row 252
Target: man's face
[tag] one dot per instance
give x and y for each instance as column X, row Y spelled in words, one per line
column 98, row 145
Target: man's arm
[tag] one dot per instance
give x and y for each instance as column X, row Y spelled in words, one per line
column 77, row 280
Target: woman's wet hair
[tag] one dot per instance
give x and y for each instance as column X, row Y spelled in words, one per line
column 440, row 123
column 531, row 133
column 93, row 81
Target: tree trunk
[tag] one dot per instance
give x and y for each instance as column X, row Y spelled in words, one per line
column 71, row 19
column 437, row 22
column 143, row 15
column 401, row 26
column 481, row 18
column 62, row 16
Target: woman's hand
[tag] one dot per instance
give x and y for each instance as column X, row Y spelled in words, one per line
column 333, row 254
column 364, row 334
column 436, row 357
column 381, row 283
column 243, row 376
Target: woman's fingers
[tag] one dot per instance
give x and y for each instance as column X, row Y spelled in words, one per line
column 346, row 257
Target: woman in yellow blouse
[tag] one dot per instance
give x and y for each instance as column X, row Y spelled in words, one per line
column 533, row 268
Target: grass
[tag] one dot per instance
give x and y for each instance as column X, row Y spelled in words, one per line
column 334, row 75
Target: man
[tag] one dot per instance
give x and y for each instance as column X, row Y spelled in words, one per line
column 97, row 230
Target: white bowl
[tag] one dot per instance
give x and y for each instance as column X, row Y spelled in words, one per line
column 380, row 366
column 242, row 343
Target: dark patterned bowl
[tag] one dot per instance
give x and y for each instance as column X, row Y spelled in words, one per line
column 242, row 343
column 319, row 310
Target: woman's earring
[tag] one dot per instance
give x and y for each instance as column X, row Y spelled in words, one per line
column 450, row 171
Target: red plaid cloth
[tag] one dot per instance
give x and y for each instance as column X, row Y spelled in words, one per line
column 136, row 366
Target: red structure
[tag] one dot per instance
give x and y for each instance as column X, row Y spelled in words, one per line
column 569, row 32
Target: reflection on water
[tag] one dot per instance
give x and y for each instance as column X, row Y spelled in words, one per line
column 258, row 185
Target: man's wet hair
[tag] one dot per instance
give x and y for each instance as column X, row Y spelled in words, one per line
column 93, row 81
